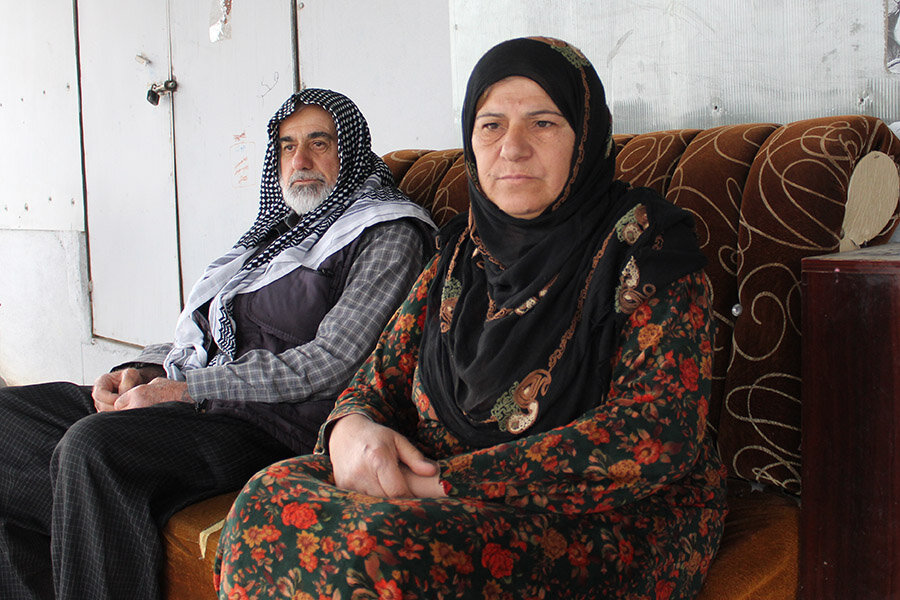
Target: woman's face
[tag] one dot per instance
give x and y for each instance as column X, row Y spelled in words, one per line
column 523, row 147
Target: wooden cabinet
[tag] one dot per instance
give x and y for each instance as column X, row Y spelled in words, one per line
column 850, row 516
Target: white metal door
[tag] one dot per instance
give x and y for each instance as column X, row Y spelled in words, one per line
column 227, row 91
column 129, row 169
column 228, row 87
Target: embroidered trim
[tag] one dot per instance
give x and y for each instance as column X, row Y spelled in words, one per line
column 524, row 394
column 632, row 224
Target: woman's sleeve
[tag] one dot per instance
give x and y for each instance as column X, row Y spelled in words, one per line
column 646, row 434
column 382, row 387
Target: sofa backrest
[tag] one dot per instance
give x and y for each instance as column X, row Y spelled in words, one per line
column 764, row 197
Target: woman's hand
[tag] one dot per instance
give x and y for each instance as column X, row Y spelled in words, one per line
column 376, row 460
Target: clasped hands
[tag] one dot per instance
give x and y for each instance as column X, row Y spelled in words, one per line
column 136, row 388
column 376, row 460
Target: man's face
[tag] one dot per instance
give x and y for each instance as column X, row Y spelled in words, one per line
column 308, row 155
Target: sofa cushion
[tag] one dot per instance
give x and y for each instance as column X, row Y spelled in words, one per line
column 709, row 182
column 759, row 555
column 190, row 539
column 792, row 207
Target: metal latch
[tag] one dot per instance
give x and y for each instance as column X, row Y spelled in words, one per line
column 166, row 87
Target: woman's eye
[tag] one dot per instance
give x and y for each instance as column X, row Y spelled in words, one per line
column 490, row 126
column 543, row 124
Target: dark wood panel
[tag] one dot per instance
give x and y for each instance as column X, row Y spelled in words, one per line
column 850, row 516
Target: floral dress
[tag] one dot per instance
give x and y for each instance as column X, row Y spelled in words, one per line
column 627, row 501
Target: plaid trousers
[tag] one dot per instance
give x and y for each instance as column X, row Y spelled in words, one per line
column 83, row 495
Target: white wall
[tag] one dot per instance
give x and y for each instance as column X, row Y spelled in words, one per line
column 699, row 63
column 44, row 302
column 391, row 57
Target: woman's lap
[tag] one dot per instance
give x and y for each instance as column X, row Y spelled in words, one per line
column 292, row 529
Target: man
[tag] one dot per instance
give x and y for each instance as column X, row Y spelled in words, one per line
column 271, row 333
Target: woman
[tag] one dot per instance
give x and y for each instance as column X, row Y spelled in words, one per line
column 532, row 423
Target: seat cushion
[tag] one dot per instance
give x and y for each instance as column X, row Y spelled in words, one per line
column 758, row 558
column 188, row 571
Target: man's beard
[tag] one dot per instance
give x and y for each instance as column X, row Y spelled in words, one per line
column 304, row 198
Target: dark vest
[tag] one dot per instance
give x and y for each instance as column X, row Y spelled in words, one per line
column 282, row 315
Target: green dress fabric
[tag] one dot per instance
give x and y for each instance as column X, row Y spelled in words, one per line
column 627, row 501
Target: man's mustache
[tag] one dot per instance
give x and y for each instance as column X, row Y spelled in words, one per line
column 306, row 175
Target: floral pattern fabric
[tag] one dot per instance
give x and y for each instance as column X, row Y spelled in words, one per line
column 627, row 501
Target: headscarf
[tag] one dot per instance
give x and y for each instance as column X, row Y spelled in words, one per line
column 524, row 316
column 364, row 194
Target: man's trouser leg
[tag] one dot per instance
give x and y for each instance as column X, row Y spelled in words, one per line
column 118, row 477
column 32, row 421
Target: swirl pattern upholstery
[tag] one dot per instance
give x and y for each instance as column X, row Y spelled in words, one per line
column 764, row 196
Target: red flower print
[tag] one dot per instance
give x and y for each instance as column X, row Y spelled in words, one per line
column 258, row 555
column 360, row 542
column 626, row 552
column 497, row 559
column 442, row 553
column 550, row 463
column 578, row 554
column 327, row 545
column 554, row 544
column 307, row 543
column 492, row 591
column 407, row 363
column 238, row 593
column 689, row 373
column 664, row 590
column 495, row 489
column 299, row 515
column 254, row 536
column 278, row 471
column 309, row 562
column 388, row 590
column 463, row 563
column 647, row 451
column 641, row 316
column 696, row 316
column 404, row 322
column 438, row 574
column 410, row 549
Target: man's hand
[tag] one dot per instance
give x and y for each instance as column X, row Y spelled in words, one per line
column 376, row 460
column 108, row 387
column 156, row 392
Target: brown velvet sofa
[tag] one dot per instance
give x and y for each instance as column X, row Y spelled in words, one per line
column 764, row 196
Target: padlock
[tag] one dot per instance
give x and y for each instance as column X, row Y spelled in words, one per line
column 156, row 89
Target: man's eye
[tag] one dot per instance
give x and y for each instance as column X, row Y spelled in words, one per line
column 287, row 148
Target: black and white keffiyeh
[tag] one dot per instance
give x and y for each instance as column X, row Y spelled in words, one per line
column 363, row 195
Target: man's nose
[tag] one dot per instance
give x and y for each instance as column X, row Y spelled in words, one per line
column 301, row 160
column 515, row 143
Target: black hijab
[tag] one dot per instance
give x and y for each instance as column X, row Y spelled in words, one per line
column 524, row 315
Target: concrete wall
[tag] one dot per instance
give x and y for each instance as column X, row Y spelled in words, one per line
column 665, row 63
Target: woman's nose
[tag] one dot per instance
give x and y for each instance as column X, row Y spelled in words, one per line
column 515, row 144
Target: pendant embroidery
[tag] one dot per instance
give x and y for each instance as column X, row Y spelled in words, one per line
column 449, row 297
column 632, row 224
column 628, row 297
column 516, row 410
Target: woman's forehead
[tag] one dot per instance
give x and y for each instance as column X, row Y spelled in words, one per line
column 515, row 91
